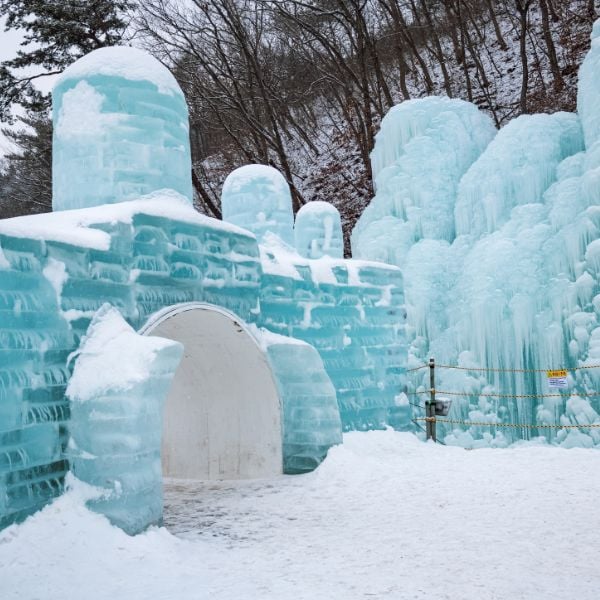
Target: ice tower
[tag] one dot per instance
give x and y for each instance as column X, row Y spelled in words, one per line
column 318, row 231
column 258, row 198
column 120, row 130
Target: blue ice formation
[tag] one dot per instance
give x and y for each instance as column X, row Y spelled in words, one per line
column 124, row 232
column 117, row 391
column 515, row 284
column 318, row 231
column 352, row 312
column 120, row 130
column 421, row 152
column 257, row 197
column 311, row 416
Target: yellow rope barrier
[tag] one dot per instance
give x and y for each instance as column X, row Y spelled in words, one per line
column 491, row 395
column 492, row 370
column 523, row 425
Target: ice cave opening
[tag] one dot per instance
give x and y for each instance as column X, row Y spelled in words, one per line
column 222, row 418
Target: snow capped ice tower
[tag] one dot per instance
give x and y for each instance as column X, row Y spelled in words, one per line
column 120, row 130
column 257, row 197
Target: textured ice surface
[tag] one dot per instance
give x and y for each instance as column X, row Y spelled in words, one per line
column 529, row 150
column 311, row 417
column 34, row 344
column 516, row 285
column 422, row 150
column 257, row 197
column 120, row 130
column 352, row 312
column 117, row 391
column 318, row 231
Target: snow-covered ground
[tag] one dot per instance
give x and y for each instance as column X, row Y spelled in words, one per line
column 385, row 516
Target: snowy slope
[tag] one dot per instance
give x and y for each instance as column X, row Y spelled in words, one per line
column 385, row 516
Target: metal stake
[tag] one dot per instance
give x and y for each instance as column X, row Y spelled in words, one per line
column 430, row 405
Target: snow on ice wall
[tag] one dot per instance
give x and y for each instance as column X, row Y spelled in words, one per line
column 516, row 286
column 257, row 197
column 117, row 392
column 120, row 130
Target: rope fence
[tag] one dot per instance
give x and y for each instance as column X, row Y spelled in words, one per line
column 493, row 370
column 516, row 425
column 436, row 408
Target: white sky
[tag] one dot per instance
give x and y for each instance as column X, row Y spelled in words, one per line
column 9, row 44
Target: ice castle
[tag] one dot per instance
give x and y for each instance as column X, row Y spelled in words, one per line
column 140, row 338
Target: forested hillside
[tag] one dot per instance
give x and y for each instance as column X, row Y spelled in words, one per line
column 303, row 85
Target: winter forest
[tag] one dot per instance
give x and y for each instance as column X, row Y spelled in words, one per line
column 299, row 85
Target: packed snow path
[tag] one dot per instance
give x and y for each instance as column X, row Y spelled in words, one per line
column 385, row 516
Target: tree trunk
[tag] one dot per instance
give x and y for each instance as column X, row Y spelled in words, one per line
column 554, row 66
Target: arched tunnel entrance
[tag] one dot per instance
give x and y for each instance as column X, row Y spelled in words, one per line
column 222, row 418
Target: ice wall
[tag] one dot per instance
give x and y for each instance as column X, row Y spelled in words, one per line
column 257, row 197
column 57, row 270
column 117, row 392
column 311, row 417
column 34, row 344
column 352, row 312
column 515, row 291
column 318, row 231
column 120, row 130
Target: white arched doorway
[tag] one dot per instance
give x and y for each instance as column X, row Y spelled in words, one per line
column 222, row 418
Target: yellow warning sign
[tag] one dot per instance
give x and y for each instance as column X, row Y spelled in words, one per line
column 557, row 379
column 559, row 373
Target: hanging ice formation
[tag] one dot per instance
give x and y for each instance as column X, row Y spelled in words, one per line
column 124, row 232
column 498, row 244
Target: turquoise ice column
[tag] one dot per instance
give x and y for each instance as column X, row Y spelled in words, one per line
column 257, row 197
column 318, row 231
column 120, row 130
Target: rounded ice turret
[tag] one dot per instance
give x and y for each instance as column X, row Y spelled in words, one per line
column 120, row 130
column 318, row 231
column 257, row 197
